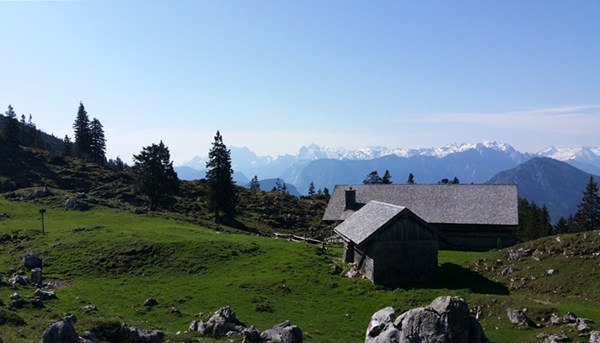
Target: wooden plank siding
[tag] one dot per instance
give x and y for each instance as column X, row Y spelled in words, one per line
column 404, row 251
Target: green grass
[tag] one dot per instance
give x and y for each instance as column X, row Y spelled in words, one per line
column 115, row 260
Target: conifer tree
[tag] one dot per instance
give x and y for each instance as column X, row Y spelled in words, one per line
column 411, row 179
column 587, row 217
column 97, row 141
column 255, row 184
column 155, row 176
column 221, row 195
column 311, row 189
column 326, row 192
column 387, row 178
column 11, row 128
column 82, row 132
column 372, row 178
column 67, row 146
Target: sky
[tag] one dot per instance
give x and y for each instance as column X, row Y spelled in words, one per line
column 277, row 75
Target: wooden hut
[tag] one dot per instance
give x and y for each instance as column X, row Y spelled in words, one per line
column 469, row 217
column 390, row 245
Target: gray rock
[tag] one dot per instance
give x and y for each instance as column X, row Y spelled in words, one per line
column 17, row 303
column 31, row 260
column 251, row 335
column 445, row 320
column 518, row 317
column 60, row 332
column 15, row 296
column 89, row 308
column 595, row 337
column 555, row 320
column 570, row 317
column 37, row 302
column 150, row 302
column 74, row 204
column 582, row 326
column 222, row 321
column 379, row 320
column 283, row 333
column 19, row 279
column 145, row 336
column 45, row 295
column 557, row 338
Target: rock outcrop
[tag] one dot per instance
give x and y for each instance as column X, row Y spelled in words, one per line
column 225, row 323
column 445, row 320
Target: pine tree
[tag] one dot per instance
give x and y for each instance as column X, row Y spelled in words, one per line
column 455, row 181
column 587, row 217
column 97, row 141
column 411, row 179
column 222, row 196
column 255, row 184
column 326, row 192
column 155, row 176
column 83, row 138
column 311, row 189
column 387, row 178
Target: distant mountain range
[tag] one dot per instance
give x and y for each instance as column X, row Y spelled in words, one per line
column 554, row 176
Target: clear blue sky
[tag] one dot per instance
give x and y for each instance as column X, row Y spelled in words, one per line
column 276, row 75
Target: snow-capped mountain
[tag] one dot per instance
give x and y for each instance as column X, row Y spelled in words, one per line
column 326, row 166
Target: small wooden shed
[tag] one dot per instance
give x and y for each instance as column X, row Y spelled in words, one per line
column 390, row 244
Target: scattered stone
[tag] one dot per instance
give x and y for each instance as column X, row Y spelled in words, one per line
column 518, row 317
column 515, row 255
column 595, row 337
column 38, row 193
column 251, row 335
column 89, row 308
column 37, row 302
column 4, row 215
column 283, row 333
column 31, row 260
column 557, row 338
column 144, row 336
column 537, row 255
column 150, row 302
column 15, row 296
column 582, row 326
column 74, row 204
column 225, row 323
column 45, row 295
column 550, row 272
column 175, row 311
column 19, row 279
column 17, row 303
column 507, row 271
column 446, row 319
column 570, row 317
column 556, row 320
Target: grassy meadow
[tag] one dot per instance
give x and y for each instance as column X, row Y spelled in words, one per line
column 115, row 259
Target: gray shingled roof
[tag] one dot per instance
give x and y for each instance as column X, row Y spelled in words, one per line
column 365, row 222
column 436, row 204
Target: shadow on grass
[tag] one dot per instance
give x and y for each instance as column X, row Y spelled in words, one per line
column 453, row 276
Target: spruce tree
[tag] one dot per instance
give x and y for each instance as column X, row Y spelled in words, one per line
column 221, row 187
column 97, row 141
column 155, row 176
column 83, row 138
column 311, row 189
column 387, row 178
column 67, row 146
column 411, row 179
column 587, row 217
